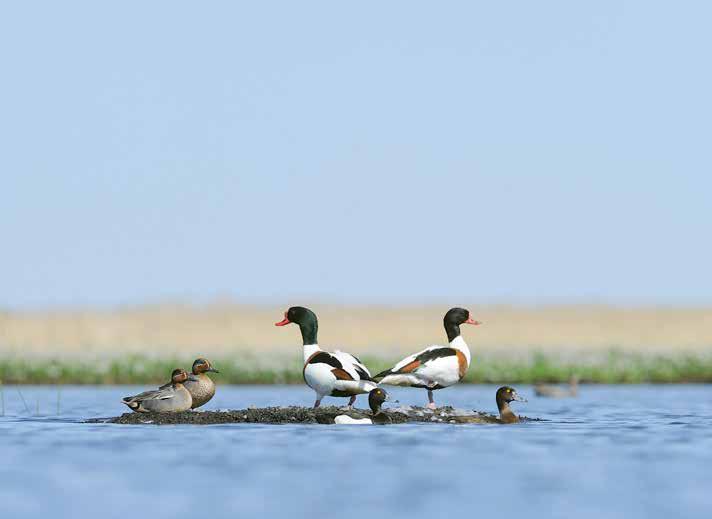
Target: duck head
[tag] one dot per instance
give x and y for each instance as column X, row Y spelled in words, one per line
column 507, row 394
column 454, row 318
column 202, row 365
column 306, row 319
column 179, row 376
column 376, row 397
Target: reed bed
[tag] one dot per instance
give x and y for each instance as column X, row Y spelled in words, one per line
column 613, row 368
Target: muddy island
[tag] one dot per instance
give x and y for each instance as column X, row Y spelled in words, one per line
column 304, row 415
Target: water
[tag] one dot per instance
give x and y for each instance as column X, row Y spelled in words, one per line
column 616, row 451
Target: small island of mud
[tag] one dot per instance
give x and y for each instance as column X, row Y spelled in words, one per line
column 302, row 415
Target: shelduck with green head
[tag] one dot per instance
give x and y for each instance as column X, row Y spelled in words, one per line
column 334, row 373
column 435, row 367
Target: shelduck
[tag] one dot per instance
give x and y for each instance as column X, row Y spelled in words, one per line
column 335, row 373
column 435, row 367
column 171, row 398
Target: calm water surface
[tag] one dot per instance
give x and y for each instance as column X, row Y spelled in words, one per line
column 616, row 451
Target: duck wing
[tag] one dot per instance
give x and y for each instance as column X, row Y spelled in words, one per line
column 353, row 365
column 163, row 393
column 342, row 371
column 343, row 365
column 417, row 361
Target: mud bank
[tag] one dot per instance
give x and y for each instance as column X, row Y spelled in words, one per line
column 302, row 415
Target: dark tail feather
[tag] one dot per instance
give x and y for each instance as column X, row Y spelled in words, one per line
column 362, row 374
column 132, row 405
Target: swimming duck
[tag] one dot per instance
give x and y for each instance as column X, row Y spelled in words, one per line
column 557, row 392
column 505, row 395
column 203, row 389
column 171, row 398
column 435, row 367
column 335, row 373
column 376, row 397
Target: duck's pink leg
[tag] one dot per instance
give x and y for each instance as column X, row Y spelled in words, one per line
column 431, row 402
column 317, row 403
column 351, row 402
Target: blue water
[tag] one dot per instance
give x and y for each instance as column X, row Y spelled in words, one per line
column 616, row 451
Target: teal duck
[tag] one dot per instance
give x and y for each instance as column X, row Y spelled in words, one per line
column 202, row 389
column 171, row 398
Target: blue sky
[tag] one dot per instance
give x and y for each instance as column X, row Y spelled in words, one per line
column 523, row 152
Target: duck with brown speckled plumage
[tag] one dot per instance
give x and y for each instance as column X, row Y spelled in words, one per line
column 202, row 389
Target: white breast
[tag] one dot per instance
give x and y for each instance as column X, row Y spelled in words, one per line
column 320, row 378
column 344, row 419
column 445, row 371
column 459, row 344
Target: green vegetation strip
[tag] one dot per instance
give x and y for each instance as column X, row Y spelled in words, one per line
column 613, row 368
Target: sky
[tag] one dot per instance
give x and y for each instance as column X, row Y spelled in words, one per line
column 386, row 152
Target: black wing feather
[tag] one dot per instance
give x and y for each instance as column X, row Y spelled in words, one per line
column 435, row 354
column 361, row 373
column 325, row 358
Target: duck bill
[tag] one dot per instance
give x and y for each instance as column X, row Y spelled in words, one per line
column 283, row 322
column 193, row 378
column 519, row 398
column 213, row 370
column 389, row 398
column 472, row 321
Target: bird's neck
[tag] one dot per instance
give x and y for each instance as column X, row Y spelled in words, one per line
column 459, row 344
column 309, row 331
column 452, row 330
column 505, row 413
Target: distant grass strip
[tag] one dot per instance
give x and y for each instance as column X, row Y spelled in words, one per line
column 613, row 368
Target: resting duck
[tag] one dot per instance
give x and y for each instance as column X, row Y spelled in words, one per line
column 435, row 367
column 505, row 395
column 557, row 392
column 376, row 397
column 202, row 389
column 327, row 373
column 171, row 398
